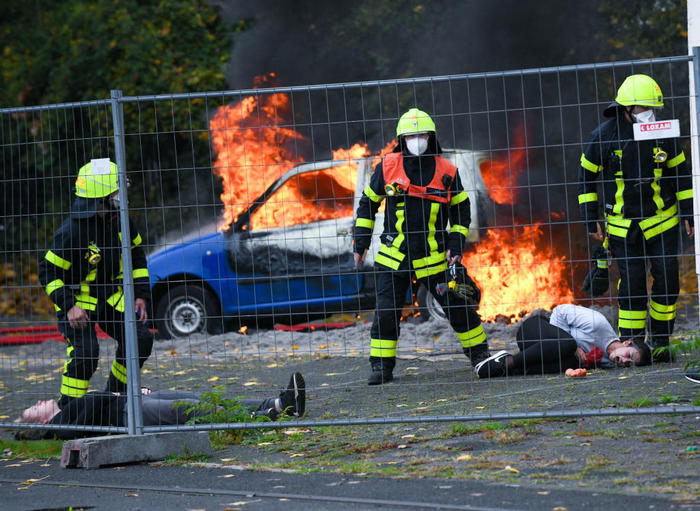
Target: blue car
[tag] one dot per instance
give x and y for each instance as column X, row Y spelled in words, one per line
column 279, row 274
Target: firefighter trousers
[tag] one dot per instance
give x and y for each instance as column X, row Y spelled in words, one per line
column 634, row 255
column 84, row 352
column 391, row 288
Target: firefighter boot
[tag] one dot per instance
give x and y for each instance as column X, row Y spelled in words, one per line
column 660, row 343
column 477, row 353
column 382, row 370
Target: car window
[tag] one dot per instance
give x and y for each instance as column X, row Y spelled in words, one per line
column 309, row 197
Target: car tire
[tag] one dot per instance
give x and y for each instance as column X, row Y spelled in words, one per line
column 188, row 309
column 428, row 306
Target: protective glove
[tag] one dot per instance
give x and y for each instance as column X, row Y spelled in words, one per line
column 597, row 282
column 462, row 285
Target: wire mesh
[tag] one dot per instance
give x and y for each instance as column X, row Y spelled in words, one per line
column 246, row 205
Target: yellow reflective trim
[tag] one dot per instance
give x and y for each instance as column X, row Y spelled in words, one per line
column 371, row 194
column 383, row 347
column 53, row 286
column 389, row 263
column 661, row 312
column 589, row 165
column 632, row 324
column 428, row 260
column 400, row 215
column 140, row 273
column 56, row 260
column 90, row 277
column 602, row 263
column 364, row 222
column 73, row 387
column 137, row 240
column 657, row 189
column 432, row 270
column 684, row 194
column 117, row 300
column 587, row 197
column 660, row 307
column 662, row 227
column 632, row 314
column 619, row 202
column 432, row 242
column 472, row 337
column 460, row 229
column 673, row 162
column 119, row 371
column 617, row 231
column 460, row 197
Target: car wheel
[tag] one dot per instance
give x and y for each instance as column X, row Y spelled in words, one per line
column 428, row 305
column 187, row 310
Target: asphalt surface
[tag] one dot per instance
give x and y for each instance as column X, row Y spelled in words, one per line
column 617, row 459
column 38, row 485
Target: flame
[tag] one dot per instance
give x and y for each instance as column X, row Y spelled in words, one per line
column 517, row 272
column 500, row 173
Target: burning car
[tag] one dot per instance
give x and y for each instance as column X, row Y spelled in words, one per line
column 288, row 255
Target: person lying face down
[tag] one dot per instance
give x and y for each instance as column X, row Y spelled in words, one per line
column 159, row 408
column 573, row 336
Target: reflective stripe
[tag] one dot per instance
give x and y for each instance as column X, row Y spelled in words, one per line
column 587, row 197
column 617, row 225
column 589, row 165
column 430, row 265
column 684, row 194
column 460, row 229
column 364, row 222
column 56, row 260
column 432, row 242
column 73, row 387
column 602, row 263
column 460, row 197
column 634, row 320
column 657, row 189
column 53, row 286
column 385, row 261
column 90, row 277
column 662, row 312
column 137, row 240
column 429, row 260
column 371, row 195
column 431, row 270
column 140, row 273
column 662, row 221
column 117, row 300
column 119, row 371
column 383, row 347
column 472, row 337
column 619, row 202
column 673, row 162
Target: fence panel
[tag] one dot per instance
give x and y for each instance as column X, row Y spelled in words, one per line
column 245, row 203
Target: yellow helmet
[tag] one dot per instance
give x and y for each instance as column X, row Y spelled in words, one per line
column 97, row 179
column 414, row 121
column 636, row 90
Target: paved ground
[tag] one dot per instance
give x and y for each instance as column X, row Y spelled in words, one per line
column 591, row 462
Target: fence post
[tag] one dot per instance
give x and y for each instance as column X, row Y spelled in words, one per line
column 695, row 156
column 133, row 384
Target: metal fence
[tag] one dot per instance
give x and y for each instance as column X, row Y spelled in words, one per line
column 245, row 203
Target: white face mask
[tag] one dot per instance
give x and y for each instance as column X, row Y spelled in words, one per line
column 416, row 145
column 645, row 116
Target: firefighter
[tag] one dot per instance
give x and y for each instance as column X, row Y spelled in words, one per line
column 82, row 274
column 423, row 194
column 646, row 190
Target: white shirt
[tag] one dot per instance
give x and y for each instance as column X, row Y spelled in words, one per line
column 588, row 327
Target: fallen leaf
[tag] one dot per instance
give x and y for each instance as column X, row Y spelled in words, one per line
column 213, row 378
column 463, row 457
column 512, row 469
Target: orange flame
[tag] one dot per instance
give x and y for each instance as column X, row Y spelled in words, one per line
column 500, row 173
column 517, row 272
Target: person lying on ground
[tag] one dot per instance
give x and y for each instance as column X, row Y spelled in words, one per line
column 573, row 336
column 159, row 408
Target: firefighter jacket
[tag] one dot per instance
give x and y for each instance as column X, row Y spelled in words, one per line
column 644, row 182
column 84, row 265
column 427, row 195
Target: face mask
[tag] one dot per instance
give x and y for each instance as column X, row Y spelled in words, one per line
column 113, row 203
column 645, row 116
column 416, row 145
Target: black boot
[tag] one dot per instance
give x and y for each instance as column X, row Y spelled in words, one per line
column 477, row 353
column 382, row 370
column 664, row 355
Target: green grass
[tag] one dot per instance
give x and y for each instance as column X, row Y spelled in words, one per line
column 40, row 449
